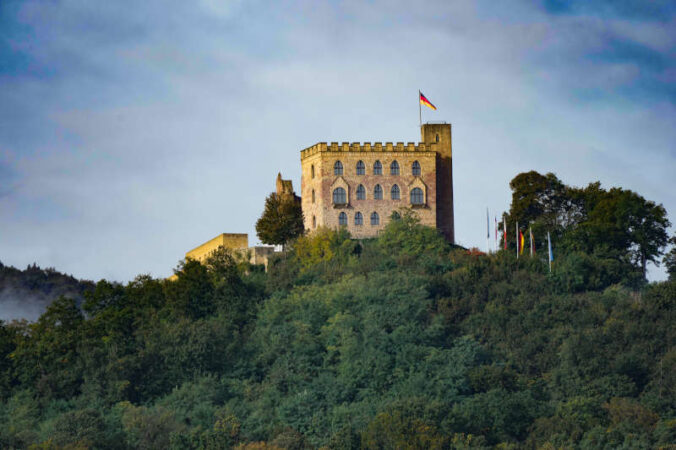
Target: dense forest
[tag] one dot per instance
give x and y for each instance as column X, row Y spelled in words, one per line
column 27, row 293
column 402, row 341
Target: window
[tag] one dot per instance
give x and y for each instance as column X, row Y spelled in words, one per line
column 358, row 219
column 313, row 196
column 417, row 197
column 394, row 168
column 377, row 168
column 375, row 218
column 314, row 222
column 338, row 168
column 437, row 138
column 394, row 192
column 361, row 192
column 312, row 171
column 342, row 219
column 339, row 197
column 415, row 169
column 378, row 192
column 396, row 216
column 361, row 168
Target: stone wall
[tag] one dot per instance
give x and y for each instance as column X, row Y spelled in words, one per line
column 322, row 212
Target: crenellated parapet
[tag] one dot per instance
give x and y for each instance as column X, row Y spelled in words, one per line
column 335, row 147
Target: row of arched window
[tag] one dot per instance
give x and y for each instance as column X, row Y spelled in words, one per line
column 377, row 168
column 340, row 196
column 358, row 219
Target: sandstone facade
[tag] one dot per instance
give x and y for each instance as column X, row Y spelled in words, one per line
column 371, row 176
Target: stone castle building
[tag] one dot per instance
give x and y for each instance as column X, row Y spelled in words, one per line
column 359, row 186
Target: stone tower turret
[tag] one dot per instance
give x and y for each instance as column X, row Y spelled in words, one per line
column 438, row 136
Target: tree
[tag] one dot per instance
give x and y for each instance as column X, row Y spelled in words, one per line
column 670, row 259
column 282, row 220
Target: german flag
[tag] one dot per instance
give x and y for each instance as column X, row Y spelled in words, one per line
column 424, row 101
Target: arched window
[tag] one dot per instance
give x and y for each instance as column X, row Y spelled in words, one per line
column 378, row 192
column 377, row 168
column 339, row 197
column 395, row 216
column 312, row 171
column 338, row 168
column 342, row 219
column 358, row 219
column 417, row 197
column 313, row 196
column 375, row 218
column 314, row 222
column 437, row 138
column 394, row 192
column 361, row 168
column 361, row 192
column 394, row 168
column 415, row 169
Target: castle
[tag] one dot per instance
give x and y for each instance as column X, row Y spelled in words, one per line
column 359, row 186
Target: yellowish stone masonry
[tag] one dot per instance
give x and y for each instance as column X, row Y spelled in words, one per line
column 359, row 185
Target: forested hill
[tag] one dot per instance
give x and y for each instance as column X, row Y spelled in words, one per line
column 397, row 342
column 25, row 294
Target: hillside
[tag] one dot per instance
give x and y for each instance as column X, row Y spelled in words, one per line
column 397, row 342
column 25, row 294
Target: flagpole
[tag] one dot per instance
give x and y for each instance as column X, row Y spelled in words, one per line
column 517, row 239
column 488, row 233
column 549, row 256
column 419, row 109
column 530, row 240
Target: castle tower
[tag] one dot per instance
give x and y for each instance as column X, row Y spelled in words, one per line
column 438, row 137
column 360, row 185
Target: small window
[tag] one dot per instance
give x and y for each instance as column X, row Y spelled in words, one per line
column 361, row 192
column 378, row 192
column 394, row 192
column 312, row 171
column 342, row 219
column 377, row 168
column 395, row 216
column 313, row 196
column 358, row 219
column 417, row 197
column 375, row 218
column 394, row 168
column 416, row 169
column 338, row 168
column 361, row 168
column 437, row 138
column 339, row 197
column 314, row 222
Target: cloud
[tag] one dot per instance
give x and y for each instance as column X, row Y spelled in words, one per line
column 134, row 132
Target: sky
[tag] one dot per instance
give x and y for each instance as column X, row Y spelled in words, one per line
column 131, row 132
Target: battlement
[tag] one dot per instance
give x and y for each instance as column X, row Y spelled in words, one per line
column 322, row 147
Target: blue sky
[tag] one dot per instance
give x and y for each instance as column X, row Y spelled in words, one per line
column 131, row 132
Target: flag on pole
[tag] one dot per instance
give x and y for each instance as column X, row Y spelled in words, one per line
column 532, row 242
column 521, row 242
column 488, row 233
column 424, row 101
column 504, row 232
column 551, row 254
column 496, row 233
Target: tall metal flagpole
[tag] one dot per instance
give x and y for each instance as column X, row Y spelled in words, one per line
column 488, row 233
column 517, row 240
column 419, row 109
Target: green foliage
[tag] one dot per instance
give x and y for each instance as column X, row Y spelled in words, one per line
column 281, row 221
column 617, row 229
column 401, row 341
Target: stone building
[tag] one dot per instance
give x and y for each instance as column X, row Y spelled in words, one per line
column 359, row 185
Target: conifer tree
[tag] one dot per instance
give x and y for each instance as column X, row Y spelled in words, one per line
column 281, row 221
